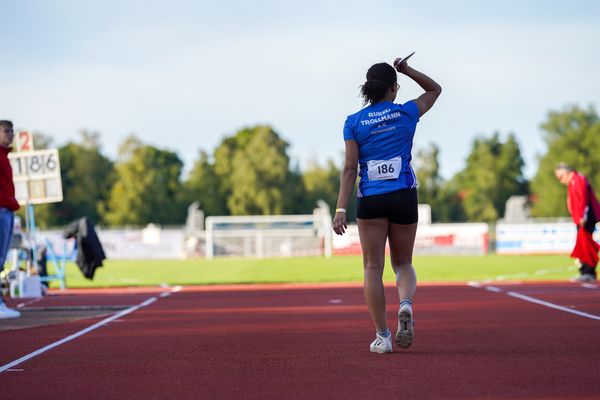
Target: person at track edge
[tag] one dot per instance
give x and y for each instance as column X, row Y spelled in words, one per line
column 379, row 139
column 585, row 212
column 8, row 204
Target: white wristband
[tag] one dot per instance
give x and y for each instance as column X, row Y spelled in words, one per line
column 340, row 210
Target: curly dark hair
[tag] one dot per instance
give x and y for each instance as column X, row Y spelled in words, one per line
column 380, row 78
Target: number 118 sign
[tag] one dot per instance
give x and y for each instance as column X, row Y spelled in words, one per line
column 37, row 176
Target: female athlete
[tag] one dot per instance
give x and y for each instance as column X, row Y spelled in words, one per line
column 379, row 139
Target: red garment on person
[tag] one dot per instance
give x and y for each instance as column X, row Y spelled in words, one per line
column 7, row 186
column 586, row 249
column 580, row 196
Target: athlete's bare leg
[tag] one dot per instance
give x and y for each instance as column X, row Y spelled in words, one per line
column 373, row 235
column 402, row 241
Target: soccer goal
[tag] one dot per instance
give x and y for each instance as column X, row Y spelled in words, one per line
column 262, row 236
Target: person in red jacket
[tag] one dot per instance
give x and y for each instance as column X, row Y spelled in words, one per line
column 585, row 212
column 8, row 204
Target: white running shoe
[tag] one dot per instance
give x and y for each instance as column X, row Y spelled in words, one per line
column 586, row 278
column 406, row 327
column 382, row 344
column 6, row 312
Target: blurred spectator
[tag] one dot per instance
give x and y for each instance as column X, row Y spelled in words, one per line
column 8, row 205
column 585, row 211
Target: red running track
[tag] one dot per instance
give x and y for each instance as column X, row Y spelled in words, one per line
column 286, row 342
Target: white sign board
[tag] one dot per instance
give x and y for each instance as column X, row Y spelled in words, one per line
column 37, row 176
column 126, row 244
column 537, row 238
column 468, row 238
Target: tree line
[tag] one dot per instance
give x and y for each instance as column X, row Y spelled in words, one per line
column 250, row 173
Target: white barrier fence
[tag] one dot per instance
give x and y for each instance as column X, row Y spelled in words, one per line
column 150, row 243
column 434, row 239
column 537, row 238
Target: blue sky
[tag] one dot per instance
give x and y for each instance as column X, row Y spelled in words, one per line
column 184, row 74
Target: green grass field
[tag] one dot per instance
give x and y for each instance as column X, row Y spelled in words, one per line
column 318, row 269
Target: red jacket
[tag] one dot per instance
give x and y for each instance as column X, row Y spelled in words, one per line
column 580, row 196
column 7, row 186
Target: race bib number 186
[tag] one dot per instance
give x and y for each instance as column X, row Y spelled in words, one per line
column 379, row 170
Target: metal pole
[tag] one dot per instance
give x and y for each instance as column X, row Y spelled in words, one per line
column 33, row 244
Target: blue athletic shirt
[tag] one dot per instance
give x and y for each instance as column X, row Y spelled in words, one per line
column 384, row 133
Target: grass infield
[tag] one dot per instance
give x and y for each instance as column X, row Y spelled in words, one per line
column 318, row 269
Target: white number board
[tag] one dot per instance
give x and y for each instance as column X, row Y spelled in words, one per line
column 37, row 176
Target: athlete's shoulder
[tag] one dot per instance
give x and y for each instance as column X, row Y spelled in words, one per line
column 350, row 126
column 410, row 108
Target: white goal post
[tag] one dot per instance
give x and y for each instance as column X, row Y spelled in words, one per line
column 263, row 236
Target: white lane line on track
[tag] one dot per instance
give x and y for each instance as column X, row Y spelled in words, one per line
column 28, row 303
column 552, row 305
column 97, row 325
column 533, row 300
column 589, row 285
column 519, row 276
column 174, row 290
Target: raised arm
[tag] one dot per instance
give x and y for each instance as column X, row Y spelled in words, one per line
column 431, row 87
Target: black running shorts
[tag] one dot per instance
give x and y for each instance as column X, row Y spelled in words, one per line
column 400, row 207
